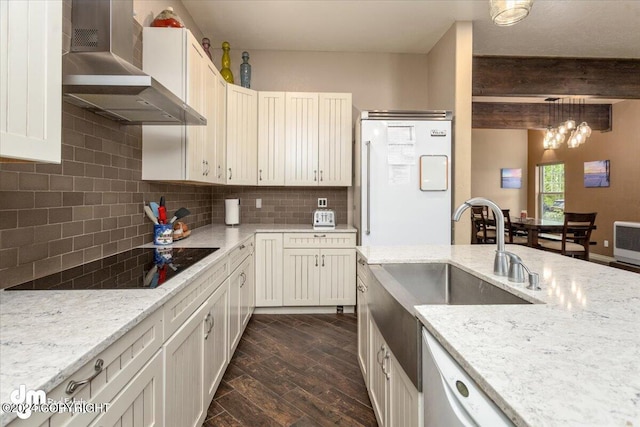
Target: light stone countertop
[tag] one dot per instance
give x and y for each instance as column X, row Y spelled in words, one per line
column 45, row 336
column 573, row 359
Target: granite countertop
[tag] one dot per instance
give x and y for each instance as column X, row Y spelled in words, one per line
column 45, row 336
column 572, row 359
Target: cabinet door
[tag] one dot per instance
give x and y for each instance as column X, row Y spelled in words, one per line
column 363, row 331
column 271, row 145
column 247, row 292
column 30, row 80
column 301, row 141
column 216, row 341
column 301, row 277
column 221, row 130
column 242, row 136
column 404, row 409
column 196, row 89
column 335, row 140
column 377, row 376
column 209, row 143
column 235, row 280
column 139, row 404
column 337, row 277
column 269, row 270
column 183, row 372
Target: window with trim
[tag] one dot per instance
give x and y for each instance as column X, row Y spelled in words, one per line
column 551, row 191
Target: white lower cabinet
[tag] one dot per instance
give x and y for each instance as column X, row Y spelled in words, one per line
column 140, row 403
column 268, row 270
column 363, row 330
column 394, row 398
column 184, row 373
column 216, row 356
column 319, row 277
column 241, row 301
column 247, row 292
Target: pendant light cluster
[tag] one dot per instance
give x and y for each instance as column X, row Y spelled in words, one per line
column 554, row 137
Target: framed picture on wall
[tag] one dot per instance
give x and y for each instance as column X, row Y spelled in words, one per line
column 596, row 174
column 510, row 178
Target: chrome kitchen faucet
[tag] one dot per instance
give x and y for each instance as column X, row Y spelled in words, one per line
column 503, row 258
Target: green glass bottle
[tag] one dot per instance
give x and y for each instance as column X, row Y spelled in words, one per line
column 226, row 63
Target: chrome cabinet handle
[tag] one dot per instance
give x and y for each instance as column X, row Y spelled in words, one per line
column 319, row 235
column 315, row 175
column 208, row 168
column 378, row 355
column 242, row 246
column 368, row 229
column 244, row 279
column 219, row 171
column 321, row 179
column 323, row 260
column 384, row 369
column 209, row 321
column 260, row 174
column 204, row 169
column 316, row 260
column 230, row 173
column 73, row 385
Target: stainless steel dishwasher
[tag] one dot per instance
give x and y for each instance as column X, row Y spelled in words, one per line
column 451, row 397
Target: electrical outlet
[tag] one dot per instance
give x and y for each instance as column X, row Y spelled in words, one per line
column 258, row 203
column 322, row 202
column 606, row 243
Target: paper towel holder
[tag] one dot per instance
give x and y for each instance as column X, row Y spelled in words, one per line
column 232, row 212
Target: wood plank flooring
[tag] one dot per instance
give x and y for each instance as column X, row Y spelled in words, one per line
column 294, row 370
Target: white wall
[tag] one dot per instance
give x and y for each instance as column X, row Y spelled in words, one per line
column 491, row 150
column 449, row 87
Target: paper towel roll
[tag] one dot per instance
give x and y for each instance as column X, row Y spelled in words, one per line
column 232, row 211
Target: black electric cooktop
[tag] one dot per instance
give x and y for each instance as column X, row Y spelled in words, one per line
column 139, row 268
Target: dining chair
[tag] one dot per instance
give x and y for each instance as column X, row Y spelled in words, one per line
column 482, row 232
column 517, row 237
column 576, row 236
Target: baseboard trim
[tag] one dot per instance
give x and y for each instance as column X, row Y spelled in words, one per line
column 303, row 310
column 600, row 259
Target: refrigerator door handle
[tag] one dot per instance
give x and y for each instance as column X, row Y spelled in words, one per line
column 368, row 229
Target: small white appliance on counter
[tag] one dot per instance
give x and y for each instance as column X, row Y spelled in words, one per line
column 324, row 219
column 626, row 242
column 402, row 192
column 232, row 211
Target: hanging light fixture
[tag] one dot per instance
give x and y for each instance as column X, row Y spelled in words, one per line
column 550, row 133
column 509, row 12
column 582, row 132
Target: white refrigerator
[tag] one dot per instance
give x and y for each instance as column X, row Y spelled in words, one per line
column 402, row 193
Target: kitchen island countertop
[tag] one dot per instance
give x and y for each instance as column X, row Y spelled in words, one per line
column 47, row 335
column 571, row 359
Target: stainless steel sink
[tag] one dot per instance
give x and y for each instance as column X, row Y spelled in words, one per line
column 396, row 288
column 447, row 284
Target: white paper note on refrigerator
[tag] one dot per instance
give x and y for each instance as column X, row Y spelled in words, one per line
column 399, row 174
column 401, row 154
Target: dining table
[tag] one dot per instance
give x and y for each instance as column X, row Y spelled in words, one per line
column 536, row 226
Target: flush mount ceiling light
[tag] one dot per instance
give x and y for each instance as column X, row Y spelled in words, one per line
column 509, row 12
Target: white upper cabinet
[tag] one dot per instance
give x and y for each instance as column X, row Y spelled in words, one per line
column 301, row 167
column 335, row 142
column 182, row 153
column 31, row 80
column 318, row 139
column 221, row 130
column 271, row 145
column 242, row 136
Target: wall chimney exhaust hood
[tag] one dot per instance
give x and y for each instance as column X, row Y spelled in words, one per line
column 98, row 73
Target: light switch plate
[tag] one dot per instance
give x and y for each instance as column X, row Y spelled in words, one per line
column 322, row 202
column 258, row 203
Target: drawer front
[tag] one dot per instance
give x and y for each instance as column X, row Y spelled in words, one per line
column 319, row 239
column 188, row 300
column 122, row 360
column 362, row 270
column 239, row 253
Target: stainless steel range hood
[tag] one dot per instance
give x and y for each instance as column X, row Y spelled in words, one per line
column 98, row 73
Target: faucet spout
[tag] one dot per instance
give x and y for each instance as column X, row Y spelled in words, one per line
column 500, row 264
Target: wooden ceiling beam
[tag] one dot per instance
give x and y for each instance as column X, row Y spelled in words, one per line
column 495, row 115
column 551, row 76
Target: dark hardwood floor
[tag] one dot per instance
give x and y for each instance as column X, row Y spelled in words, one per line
column 294, row 370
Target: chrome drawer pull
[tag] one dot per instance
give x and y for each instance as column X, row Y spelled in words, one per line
column 242, row 246
column 73, row 385
column 323, row 260
column 319, row 235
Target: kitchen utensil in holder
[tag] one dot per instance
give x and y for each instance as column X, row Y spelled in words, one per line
column 163, row 234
